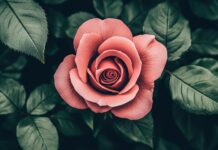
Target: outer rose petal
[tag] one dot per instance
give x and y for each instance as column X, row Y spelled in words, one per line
column 97, row 109
column 90, row 94
column 153, row 55
column 106, row 28
column 87, row 48
column 63, row 84
column 137, row 108
column 126, row 46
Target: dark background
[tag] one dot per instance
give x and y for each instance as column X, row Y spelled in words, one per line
column 167, row 134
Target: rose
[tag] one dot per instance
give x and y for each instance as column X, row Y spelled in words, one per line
column 112, row 70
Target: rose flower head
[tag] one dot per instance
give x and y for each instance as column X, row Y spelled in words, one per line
column 112, row 70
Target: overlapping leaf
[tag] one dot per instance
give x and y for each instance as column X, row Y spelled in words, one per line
column 12, row 96
column 195, row 87
column 75, row 20
column 37, row 134
column 138, row 131
column 108, row 8
column 23, row 27
column 200, row 131
column 205, row 9
column 133, row 15
column 166, row 22
column 42, row 100
column 205, row 42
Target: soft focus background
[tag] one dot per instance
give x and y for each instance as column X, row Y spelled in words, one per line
column 33, row 116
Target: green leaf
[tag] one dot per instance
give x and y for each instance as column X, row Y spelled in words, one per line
column 170, row 28
column 54, row 2
column 57, row 23
column 12, row 96
column 42, row 100
column 75, row 20
column 37, row 133
column 205, row 9
column 138, row 131
column 108, row 8
column 23, row 27
column 66, row 124
column 208, row 63
column 133, row 15
column 200, row 131
column 14, row 70
column 205, row 42
column 195, row 87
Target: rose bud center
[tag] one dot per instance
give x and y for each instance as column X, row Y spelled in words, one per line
column 109, row 77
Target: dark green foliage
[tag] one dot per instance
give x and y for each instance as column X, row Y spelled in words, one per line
column 185, row 108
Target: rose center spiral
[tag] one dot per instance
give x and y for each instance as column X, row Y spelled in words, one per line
column 109, row 76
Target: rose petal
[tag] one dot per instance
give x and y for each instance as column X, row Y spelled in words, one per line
column 153, row 55
column 89, row 94
column 106, row 28
column 143, row 41
column 97, row 109
column 98, row 86
column 126, row 46
column 116, row 53
column 87, row 48
column 63, row 84
column 137, row 108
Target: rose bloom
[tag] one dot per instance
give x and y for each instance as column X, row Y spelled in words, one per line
column 112, row 70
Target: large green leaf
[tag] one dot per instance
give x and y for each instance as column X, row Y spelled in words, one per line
column 75, row 20
column 42, row 100
column 23, row 27
column 170, row 28
column 200, row 131
column 138, row 131
column 12, row 96
column 108, row 8
column 207, row 9
column 133, row 15
column 195, row 87
column 37, row 134
column 205, row 42
column 66, row 124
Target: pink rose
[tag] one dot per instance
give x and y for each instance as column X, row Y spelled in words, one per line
column 112, row 70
